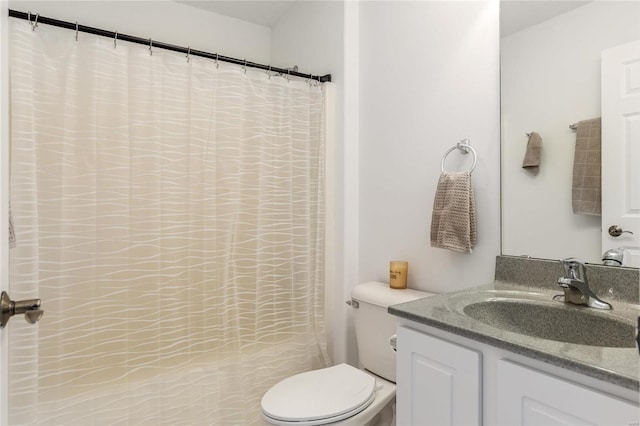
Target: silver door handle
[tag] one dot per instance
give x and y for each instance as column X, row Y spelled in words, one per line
column 616, row 231
column 8, row 308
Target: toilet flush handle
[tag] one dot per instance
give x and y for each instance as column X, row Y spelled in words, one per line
column 393, row 342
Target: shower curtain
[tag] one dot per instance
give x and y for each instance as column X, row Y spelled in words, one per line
column 169, row 214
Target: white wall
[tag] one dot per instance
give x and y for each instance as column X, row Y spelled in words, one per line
column 429, row 78
column 551, row 79
column 164, row 21
column 310, row 35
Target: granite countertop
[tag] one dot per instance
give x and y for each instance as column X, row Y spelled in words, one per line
column 620, row 366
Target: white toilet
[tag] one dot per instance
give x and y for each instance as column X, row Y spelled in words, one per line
column 342, row 394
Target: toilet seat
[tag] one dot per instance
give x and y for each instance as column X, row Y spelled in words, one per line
column 319, row 397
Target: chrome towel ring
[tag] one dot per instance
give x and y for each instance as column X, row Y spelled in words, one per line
column 464, row 148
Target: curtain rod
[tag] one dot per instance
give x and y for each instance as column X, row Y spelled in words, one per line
column 160, row 45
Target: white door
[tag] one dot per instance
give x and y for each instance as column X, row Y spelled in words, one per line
column 621, row 149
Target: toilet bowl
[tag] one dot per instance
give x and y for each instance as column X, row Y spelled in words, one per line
column 342, row 394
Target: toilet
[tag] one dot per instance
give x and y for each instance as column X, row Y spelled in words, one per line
column 342, row 394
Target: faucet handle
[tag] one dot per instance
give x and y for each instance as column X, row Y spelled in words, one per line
column 575, row 285
column 574, row 268
column 572, row 261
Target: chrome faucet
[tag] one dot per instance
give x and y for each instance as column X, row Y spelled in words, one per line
column 613, row 257
column 575, row 285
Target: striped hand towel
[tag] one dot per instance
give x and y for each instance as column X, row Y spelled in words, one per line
column 453, row 224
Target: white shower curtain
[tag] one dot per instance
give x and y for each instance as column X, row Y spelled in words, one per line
column 169, row 214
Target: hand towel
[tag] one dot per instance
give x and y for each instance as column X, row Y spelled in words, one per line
column 453, row 223
column 586, row 189
column 531, row 160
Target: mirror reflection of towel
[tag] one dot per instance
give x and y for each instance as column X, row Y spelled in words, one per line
column 453, row 223
column 531, row 160
column 586, row 189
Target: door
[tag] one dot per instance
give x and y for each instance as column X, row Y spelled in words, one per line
column 438, row 382
column 527, row 397
column 621, row 150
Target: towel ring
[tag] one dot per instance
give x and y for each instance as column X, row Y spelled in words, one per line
column 464, row 147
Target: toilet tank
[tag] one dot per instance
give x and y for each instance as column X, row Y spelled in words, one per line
column 374, row 326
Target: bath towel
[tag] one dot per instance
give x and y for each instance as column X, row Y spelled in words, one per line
column 586, row 188
column 531, row 160
column 453, row 223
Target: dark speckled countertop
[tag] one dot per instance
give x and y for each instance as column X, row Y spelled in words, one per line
column 620, row 366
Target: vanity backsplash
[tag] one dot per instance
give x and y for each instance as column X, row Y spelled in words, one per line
column 608, row 282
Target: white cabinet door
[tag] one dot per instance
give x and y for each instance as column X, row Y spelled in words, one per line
column 527, row 397
column 439, row 383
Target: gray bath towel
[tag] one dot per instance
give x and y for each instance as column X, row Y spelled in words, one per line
column 586, row 190
column 453, row 223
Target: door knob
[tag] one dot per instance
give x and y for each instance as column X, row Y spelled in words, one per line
column 8, row 308
column 616, row 231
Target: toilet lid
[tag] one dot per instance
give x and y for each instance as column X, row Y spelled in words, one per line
column 338, row 391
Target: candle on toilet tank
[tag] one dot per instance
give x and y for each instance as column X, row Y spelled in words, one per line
column 398, row 273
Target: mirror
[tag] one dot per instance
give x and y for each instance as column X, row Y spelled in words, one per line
column 551, row 79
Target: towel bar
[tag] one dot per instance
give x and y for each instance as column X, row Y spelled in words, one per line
column 464, row 148
column 571, row 126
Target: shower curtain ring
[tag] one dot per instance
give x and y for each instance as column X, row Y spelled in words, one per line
column 76, row 30
column 244, row 67
column 188, row 53
column 33, row 24
column 115, row 39
column 269, row 72
column 150, row 47
column 288, row 75
column 217, row 63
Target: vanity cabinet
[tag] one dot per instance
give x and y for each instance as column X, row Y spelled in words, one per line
column 439, row 383
column 445, row 379
column 529, row 397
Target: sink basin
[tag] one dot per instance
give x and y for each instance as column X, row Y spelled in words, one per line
column 569, row 324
